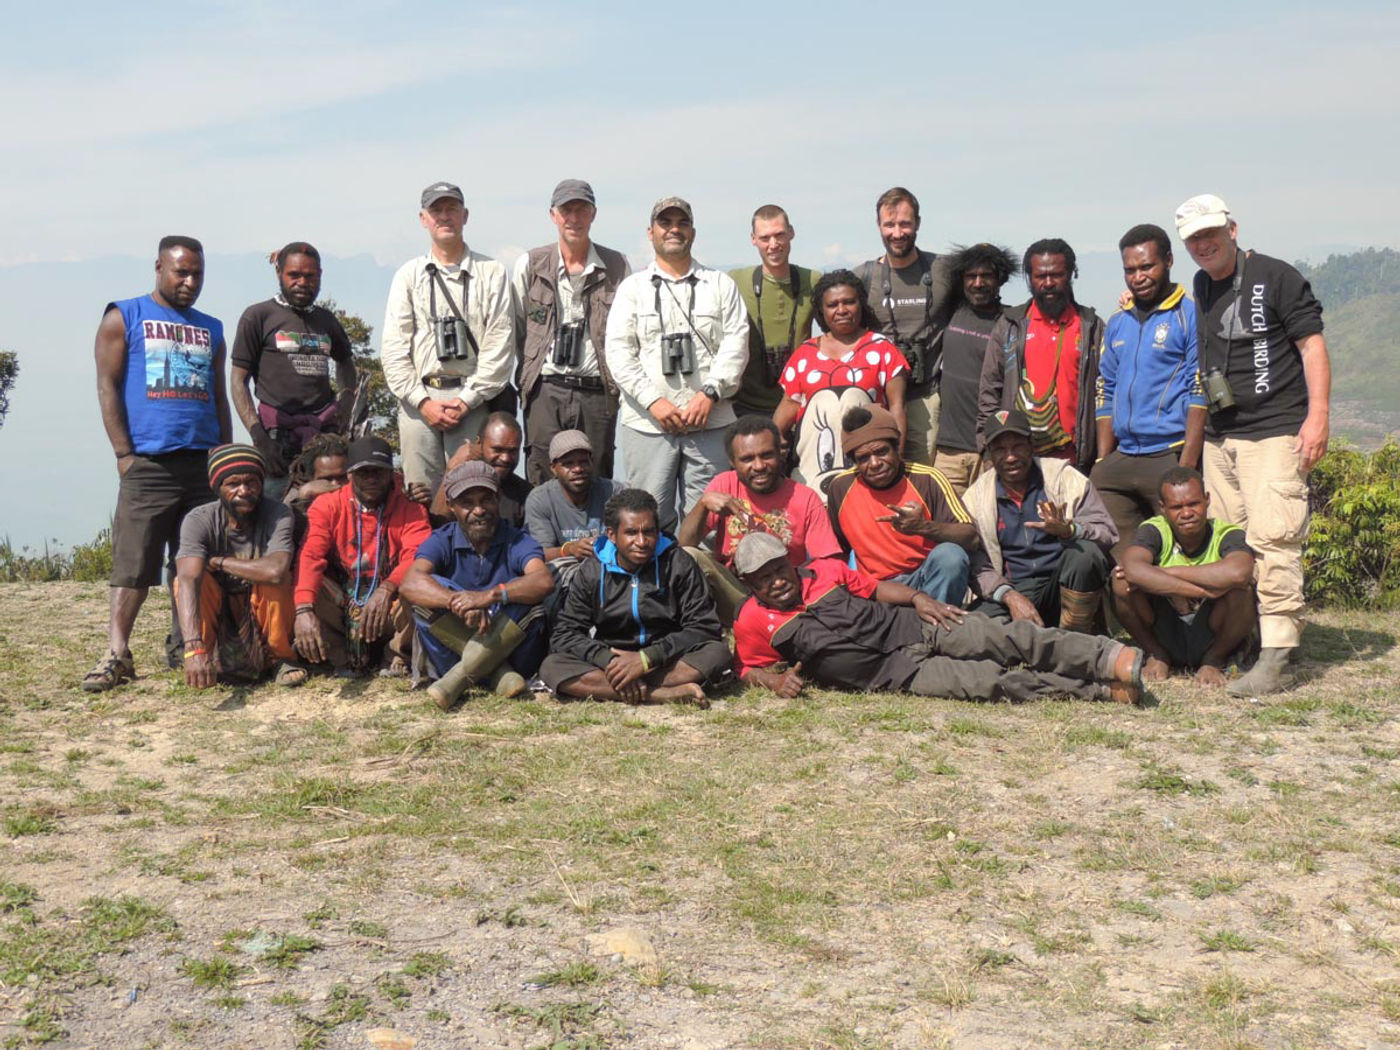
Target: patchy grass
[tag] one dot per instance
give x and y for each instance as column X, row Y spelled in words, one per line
column 832, row 871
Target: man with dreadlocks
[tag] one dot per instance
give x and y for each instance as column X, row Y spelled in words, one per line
column 286, row 345
column 360, row 541
column 978, row 273
column 233, row 584
column 1043, row 359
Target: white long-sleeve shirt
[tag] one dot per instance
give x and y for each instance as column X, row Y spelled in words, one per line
column 408, row 347
column 720, row 336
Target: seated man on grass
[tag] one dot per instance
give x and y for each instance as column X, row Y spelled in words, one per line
column 233, row 584
column 840, row 628
column 1185, row 586
column 476, row 585
column 902, row 521
column 360, row 541
column 637, row 624
column 753, row 496
column 1045, row 533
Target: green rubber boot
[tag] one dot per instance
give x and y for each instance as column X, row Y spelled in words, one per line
column 481, row 654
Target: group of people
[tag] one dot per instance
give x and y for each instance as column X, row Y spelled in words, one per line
column 936, row 492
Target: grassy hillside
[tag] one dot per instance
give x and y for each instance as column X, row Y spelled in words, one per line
column 1360, row 295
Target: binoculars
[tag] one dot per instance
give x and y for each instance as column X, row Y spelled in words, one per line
column 677, row 354
column 568, row 346
column 1217, row 390
column 775, row 359
column 915, row 351
column 453, row 339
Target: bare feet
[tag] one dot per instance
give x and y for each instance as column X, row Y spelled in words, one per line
column 690, row 693
column 1155, row 670
column 1211, row 676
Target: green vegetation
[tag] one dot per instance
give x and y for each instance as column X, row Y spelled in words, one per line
column 1352, row 554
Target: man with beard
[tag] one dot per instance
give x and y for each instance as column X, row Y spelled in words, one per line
column 1268, row 383
column 233, row 584
column 565, row 514
column 754, row 496
column 497, row 444
column 840, row 628
column 561, row 294
column 1045, row 533
column 903, row 521
column 637, row 624
column 360, row 541
column 160, row 386
column 1043, row 359
column 476, row 586
column 1150, row 411
column 1184, row 588
column 286, row 344
column 446, row 345
column 911, row 292
column 978, row 274
column 779, row 298
column 677, row 344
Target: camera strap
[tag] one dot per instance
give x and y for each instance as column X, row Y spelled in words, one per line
column 435, row 278
column 1203, row 322
column 657, row 281
column 888, row 288
column 758, row 308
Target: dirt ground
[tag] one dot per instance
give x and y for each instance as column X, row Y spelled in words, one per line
column 344, row 866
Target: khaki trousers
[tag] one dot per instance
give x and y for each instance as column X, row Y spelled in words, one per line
column 922, row 414
column 1258, row 484
column 960, row 468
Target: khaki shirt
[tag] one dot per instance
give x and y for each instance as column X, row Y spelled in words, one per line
column 633, row 345
column 570, row 308
column 408, row 349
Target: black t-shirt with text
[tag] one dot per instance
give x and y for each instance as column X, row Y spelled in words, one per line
column 289, row 354
column 1247, row 328
column 964, row 349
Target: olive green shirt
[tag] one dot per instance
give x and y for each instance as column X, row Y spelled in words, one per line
column 759, row 389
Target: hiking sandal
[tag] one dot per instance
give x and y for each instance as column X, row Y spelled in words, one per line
column 111, row 671
column 290, row 675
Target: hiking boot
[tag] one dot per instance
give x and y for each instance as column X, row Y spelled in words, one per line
column 1121, row 693
column 1127, row 667
column 111, row 671
column 1270, row 674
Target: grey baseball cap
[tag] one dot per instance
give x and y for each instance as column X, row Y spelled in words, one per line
column 572, row 190
column 567, row 441
column 473, row 474
column 756, row 550
column 671, row 202
column 437, row 191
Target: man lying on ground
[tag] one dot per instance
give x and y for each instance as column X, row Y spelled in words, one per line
column 637, row 624
column 233, row 584
column 840, row 628
column 1185, row 587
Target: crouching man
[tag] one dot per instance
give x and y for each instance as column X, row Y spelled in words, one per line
column 233, row 584
column 637, row 624
column 838, row 627
column 475, row 586
column 1185, row 586
column 360, row 541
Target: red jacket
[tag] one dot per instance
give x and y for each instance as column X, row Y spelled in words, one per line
column 330, row 537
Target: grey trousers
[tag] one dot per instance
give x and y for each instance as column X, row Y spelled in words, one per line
column 425, row 451
column 554, row 408
column 982, row 659
column 663, row 463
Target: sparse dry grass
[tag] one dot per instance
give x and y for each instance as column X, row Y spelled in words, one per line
column 834, row 871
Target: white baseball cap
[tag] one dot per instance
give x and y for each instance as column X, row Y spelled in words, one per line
column 1202, row 212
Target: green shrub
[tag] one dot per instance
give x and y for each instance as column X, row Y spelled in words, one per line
column 1352, row 554
column 87, row 562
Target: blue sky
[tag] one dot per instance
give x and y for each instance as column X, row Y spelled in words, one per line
column 252, row 124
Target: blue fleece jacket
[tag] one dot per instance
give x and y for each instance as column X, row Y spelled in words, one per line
column 1148, row 375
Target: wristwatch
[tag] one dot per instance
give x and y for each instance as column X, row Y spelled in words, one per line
column 709, row 391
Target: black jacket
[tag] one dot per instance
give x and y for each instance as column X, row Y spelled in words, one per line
column 664, row 609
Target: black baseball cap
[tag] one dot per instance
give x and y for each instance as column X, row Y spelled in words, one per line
column 1006, row 421
column 369, row 451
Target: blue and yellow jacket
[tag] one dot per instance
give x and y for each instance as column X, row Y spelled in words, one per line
column 1148, row 375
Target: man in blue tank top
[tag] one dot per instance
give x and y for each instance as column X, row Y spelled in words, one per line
column 160, row 385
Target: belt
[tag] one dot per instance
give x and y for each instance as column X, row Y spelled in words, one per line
column 443, row 382
column 575, row 382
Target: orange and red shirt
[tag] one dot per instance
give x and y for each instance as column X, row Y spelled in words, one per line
column 1044, row 337
column 880, row 549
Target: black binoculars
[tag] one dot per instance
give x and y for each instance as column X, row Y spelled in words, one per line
column 677, row 354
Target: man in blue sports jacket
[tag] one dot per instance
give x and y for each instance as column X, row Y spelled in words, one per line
column 1149, row 409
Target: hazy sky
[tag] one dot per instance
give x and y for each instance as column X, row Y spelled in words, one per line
column 251, row 124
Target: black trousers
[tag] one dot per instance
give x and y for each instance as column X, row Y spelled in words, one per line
column 556, row 407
